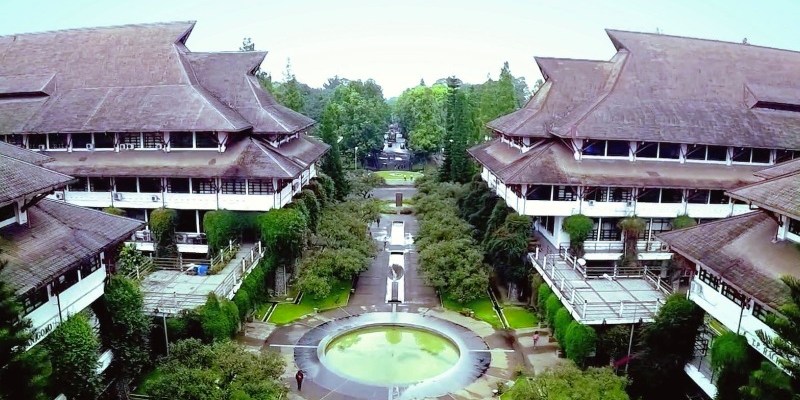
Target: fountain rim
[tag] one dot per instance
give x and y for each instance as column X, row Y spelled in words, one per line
column 322, row 347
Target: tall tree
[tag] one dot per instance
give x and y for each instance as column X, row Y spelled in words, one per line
column 456, row 166
column 420, row 112
column 362, row 116
column 129, row 332
column 289, row 93
column 332, row 161
column 23, row 374
column 786, row 342
column 74, row 352
column 569, row 382
column 247, row 45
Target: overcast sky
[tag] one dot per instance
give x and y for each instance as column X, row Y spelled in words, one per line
column 397, row 42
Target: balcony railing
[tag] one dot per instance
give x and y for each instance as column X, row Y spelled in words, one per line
column 146, row 236
column 653, row 246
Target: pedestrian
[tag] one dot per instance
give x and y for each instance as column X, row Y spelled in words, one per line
column 378, row 221
column 384, row 244
column 299, row 377
column 535, row 338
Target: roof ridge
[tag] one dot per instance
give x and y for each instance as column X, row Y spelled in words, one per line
column 609, row 31
column 88, row 209
column 715, row 222
column 528, row 157
column 106, row 27
column 37, row 166
column 271, row 156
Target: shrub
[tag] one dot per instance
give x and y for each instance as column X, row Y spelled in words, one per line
column 114, row 211
column 406, row 211
column 552, row 304
column 220, row 226
column 219, row 318
column 74, row 354
column 311, row 203
column 562, row 321
column 730, row 359
column 581, row 341
column 578, row 227
column 543, row 292
column 683, row 221
column 319, row 192
column 283, row 232
column 162, row 226
column 328, row 184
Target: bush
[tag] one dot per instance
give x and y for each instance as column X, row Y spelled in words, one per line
column 552, row 304
column 319, row 192
column 74, row 353
column 683, row 221
column 283, row 232
column 562, row 321
column 406, row 211
column 581, row 341
column 114, row 211
column 311, row 203
column 220, row 226
column 162, row 226
column 543, row 292
column 578, row 227
column 328, row 184
column 219, row 318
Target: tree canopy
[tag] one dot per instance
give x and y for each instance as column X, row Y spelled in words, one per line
column 568, row 382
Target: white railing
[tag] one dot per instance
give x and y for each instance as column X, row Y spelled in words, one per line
column 591, row 246
column 145, row 236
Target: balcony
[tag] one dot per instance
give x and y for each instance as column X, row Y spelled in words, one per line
column 72, row 300
column 612, row 250
column 188, row 242
column 622, row 297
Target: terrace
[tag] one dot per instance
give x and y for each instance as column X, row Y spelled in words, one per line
column 622, row 296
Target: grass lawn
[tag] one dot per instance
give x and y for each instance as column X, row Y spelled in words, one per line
column 285, row 312
column 261, row 311
column 150, row 376
column 482, row 307
column 519, row 317
column 397, row 176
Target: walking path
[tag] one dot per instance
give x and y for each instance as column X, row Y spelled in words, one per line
column 510, row 350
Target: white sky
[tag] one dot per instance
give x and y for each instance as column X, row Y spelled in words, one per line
column 398, row 42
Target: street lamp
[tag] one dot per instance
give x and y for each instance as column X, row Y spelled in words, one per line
column 355, row 158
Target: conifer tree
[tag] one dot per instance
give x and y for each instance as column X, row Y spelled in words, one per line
column 332, row 162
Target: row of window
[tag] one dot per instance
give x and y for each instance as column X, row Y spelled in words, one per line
column 39, row 296
column 737, row 297
column 173, row 185
column 692, row 152
column 618, row 194
column 110, row 140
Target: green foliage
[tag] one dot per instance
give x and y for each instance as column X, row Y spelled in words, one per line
column 552, row 305
column 362, row 182
column 319, row 191
column 568, row 382
column 332, row 161
column 221, row 226
column 729, row 350
column 288, row 93
column 581, row 341
column 219, row 371
column 254, row 287
column 74, row 354
column 767, row 382
column 284, row 232
column 665, row 346
column 542, row 293
column 129, row 332
column 360, row 116
column 631, row 228
column 786, row 342
column 23, row 374
column 309, row 200
column 162, row 226
column 421, row 113
column 683, row 221
column 328, row 184
column 612, row 342
column 114, row 211
column 507, row 246
column 561, row 323
column 460, row 130
column 219, row 318
column 578, row 227
column 130, row 260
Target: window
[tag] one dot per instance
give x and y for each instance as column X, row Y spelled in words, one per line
column 79, row 185
column 565, row 193
column 8, row 211
column 516, row 189
column 80, row 140
column 178, row 185
column 709, row 279
column 717, row 153
column 621, row 195
column 152, row 140
column 595, row 194
column 63, row 282
column 794, row 226
column 594, row 148
column 658, row 225
column 649, row 195
column 539, row 192
column 150, row 185
column 37, row 141
column 617, row 148
column 131, row 139
column 181, row 140
column 697, row 196
column 15, row 139
column 200, row 185
column 34, row 299
column 718, row 197
column 233, row 186
column 671, row 195
column 205, row 140
column 57, row 141
column 104, row 140
column 90, row 265
column 125, row 185
column 760, row 312
column 187, row 221
column 609, row 229
column 260, row 186
column 100, row 184
column 671, row 151
column 548, row 222
column 647, row 150
column 786, row 155
column 751, row 155
column 708, row 153
column 136, row 213
column 733, row 295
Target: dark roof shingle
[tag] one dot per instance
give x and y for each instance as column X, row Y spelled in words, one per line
column 20, row 179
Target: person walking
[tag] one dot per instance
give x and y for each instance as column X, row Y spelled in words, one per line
column 299, row 377
column 385, row 242
column 535, row 338
column 378, row 222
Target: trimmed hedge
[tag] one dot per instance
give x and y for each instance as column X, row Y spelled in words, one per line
column 563, row 319
column 578, row 227
column 542, row 294
column 219, row 319
column 552, row 305
column 581, row 341
column 683, row 221
column 162, row 225
column 254, row 288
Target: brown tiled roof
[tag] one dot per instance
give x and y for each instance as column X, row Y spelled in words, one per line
column 10, row 150
column 58, row 237
column 552, row 163
column 246, row 158
column 741, row 250
column 131, row 78
column 676, row 89
column 20, row 179
column 788, row 167
column 780, row 194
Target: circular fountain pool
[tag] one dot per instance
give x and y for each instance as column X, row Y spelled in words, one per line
column 391, row 354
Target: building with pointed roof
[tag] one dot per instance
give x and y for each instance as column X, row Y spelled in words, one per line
column 662, row 129
column 142, row 122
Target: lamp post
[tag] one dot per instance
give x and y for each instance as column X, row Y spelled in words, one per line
column 355, row 158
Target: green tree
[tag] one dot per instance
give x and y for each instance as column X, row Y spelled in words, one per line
column 74, row 353
column 284, row 232
column 578, row 227
column 456, row 165
column 129, row 332
column 568, row 382
column 23, row 374
column 731, row 361
column 768, row 382
column 162, row 226
column 332, row 161
column 131, row 262
column 361, row 116
column 288, row 93
column 507, row 245
column 786, row 341
column 247, row 45
column 362, row 182
column 421, row 113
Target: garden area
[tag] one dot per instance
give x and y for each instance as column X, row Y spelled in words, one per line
column 481, row 308
column 398, row 177
column 285, row 313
